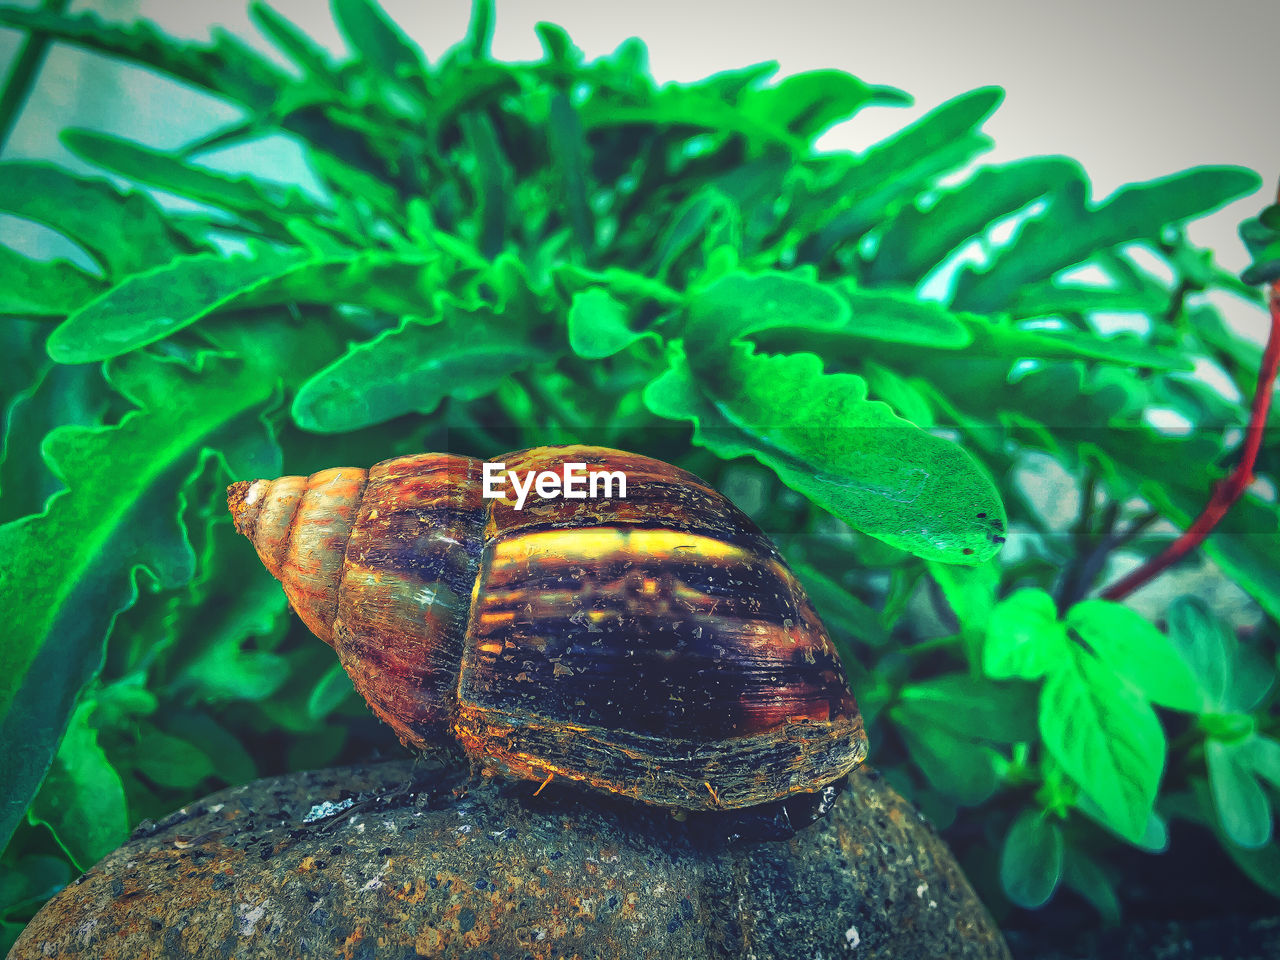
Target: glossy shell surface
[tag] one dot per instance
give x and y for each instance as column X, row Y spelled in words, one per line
column 654, row 646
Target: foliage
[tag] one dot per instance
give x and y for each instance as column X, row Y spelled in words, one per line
column 866, row 351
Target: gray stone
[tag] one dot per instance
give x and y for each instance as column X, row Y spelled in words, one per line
column 396, row 861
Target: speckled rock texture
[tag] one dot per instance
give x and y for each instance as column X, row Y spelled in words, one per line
column 398, row 861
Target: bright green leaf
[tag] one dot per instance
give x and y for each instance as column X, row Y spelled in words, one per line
column 1239, row 800
column 413, row 368
column 1024, row 637
column 1207, row 646
column 808, row 103
column 1031, row 859
column 935, row 751
column 974, row 708
column 170, row 761
column 598, row 325
column 376, row 38
column 1106, row 737
column 1128, row 643
column 35, row 288
column 851, row 456
column 333, row 689
column 1261, row 755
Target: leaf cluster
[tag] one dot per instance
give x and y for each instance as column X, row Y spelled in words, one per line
column 865, row 351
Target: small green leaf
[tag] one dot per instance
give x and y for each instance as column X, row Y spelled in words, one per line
column 1024, row 638
column 1106, row 737
column 970, row 592
column 740, row 304
column 851, row 456
column 598, row 325
column 898, row 318
column 82, row 799
column 413, row 368
column 170, row 761
column 1031, row 859
column 569, row 149
column 1137, row 651
column 1239, row 800
column 297, row 46
column 1207, row 646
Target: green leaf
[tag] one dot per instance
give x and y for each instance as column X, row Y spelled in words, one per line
column 170, row 761
column 1261, row 755
column 1068, row 231
column 296, row 45
column 935, row 750
column 1024, row 638
column 740, row 304
column 920, row 238
column 598, row 325
column 1137, row 651
column 150, row 306
column 231, row 761
column 71, row 569
column 851, row 456
column 891, row 172
column 226, row 67
column 333, row 689
column 266, row 204
column 1261, row 865
column 123, row 232
column 82, row 799
column 35, row 288
column 1083, row 875
column 377, row 39
column 413, row 368
column 898, row 318
column 974, row 708
column 1209, row 648
column 569, row 149
column 225, row 671
column 806, row 104
column 1239, row 800
column 1106, row 737
column 1031, row 859
column 970, row 592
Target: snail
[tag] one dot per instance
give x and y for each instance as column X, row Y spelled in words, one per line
column 651, row 643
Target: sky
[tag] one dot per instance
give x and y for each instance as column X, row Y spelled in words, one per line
column 1133, row 89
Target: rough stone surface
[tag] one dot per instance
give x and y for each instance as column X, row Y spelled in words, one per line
column 428, row 862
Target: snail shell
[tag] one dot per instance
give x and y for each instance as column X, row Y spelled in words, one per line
column 655, row 646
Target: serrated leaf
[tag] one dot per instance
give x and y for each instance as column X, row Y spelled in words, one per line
column 1068, row 231
column 806, row 104
column 123, row 232
column 1025, row 639
column 376, row 38
column 412, row 368
column 226, row 67
column 851, row 456
column 598, row 325
column 82, row 799
column 897, row 318
column 917, row 240
column 740, row 304
column 150, row 306
column 1239, row 800
column 892, row 171
column 296, row 45
column 37, row 288
column 70, row 570
column 1106, row 737
column 266, row 204
column 1031, row 859
column 1128, row 643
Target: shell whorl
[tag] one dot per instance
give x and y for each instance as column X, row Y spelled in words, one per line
column 300, row 527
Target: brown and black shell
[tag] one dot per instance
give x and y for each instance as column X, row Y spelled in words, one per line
column 655, row 646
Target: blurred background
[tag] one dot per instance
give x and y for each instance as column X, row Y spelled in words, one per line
column 1168, row 84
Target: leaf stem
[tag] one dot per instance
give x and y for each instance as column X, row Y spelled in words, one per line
column 22, row 76
column 1229, row 491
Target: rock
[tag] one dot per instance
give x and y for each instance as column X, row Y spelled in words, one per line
column 395, row 860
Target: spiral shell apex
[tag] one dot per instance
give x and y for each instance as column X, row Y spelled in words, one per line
column 653, row 645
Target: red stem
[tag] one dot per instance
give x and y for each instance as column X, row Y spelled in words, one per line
column 1229, row 491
